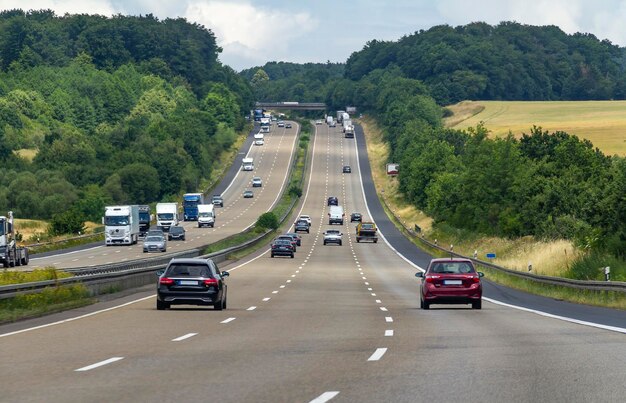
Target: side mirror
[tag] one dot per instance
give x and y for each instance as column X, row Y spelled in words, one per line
column 225, row 274
column 159, row 273
column 481, row 274
column 419, row 274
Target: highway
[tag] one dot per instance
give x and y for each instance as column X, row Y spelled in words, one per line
column 271, row 163
column 336, row 323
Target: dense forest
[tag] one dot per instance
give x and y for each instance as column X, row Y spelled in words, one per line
column 97, row 110
column 549, row 185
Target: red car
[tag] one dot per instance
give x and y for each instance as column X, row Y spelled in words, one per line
column 450, row 281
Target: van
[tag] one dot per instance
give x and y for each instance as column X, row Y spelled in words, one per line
column 265, row 129
column 247, row 164
column 335, row 215
column 259, row 139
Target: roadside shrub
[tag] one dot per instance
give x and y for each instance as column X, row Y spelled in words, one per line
column 591, row 267
column 295, row 191
column 68, row 222
column 268, row 221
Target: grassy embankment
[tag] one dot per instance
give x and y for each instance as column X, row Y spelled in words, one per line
column 601, row 122
column 547, row 258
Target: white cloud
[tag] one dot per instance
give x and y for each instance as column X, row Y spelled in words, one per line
column 61, row 7
column 248, row 32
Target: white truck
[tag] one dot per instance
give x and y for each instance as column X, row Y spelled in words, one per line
column 347, row 123
column 10, row 254
column 265, row 129
column 247, row 164
column 344, row 116
column 340, row 115
column 121, row 225
column 167, row 215
column 335, row 215
column 259, row 139
column 206, row 215
column 349, row 132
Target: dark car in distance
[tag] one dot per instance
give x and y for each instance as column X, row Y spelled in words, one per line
column 191, row 282
column 176, row 233
column 289, row 237
column 347, row 169
column 282, row 247
column 301, row 226
column 450, row 281
column 217, row 200
column 356, row 217
column 295, row 236
column 287, row 125
column 333, row 201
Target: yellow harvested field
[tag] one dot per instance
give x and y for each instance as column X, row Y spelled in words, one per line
column 601, row 122
column 27, row 153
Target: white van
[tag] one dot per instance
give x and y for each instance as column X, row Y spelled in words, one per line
column 265, row 129
column 335, row 215
column 259, row 139
column 206, row 215
column 247, row 164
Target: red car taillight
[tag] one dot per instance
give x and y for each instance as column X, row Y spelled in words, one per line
column 166, row 281
column 429, row 279
column 476, row 279
column 210, row 282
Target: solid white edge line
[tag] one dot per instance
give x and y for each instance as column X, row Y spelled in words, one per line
column 228, row 320
column 549, row 315
column 99, row 364
column 378, row 354
column 185, row 337
column 68, row 253
column 77, row 317
column 324, row 397
column 563, row 318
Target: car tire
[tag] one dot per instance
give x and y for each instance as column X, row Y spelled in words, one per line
column 165, row 250
column 375, row 240
column 339, row 243
column 292, row 255
column 477, row 304
column 358, row 240
column 425, row 305
column 161, row 306
column 220, row 305
column 324, row 243
column 272, row 255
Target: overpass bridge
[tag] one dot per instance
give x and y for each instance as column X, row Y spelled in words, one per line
column 302, row 106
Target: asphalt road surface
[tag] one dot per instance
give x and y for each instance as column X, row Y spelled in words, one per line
column 338, row 323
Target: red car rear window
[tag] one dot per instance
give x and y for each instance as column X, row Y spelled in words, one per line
column 452, row 268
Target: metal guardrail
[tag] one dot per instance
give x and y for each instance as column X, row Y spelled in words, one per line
column 74, row 238
column 591, row 285
column 94, row 276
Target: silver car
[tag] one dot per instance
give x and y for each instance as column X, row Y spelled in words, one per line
column 154, row 243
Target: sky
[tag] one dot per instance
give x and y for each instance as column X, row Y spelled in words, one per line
column 253, row 32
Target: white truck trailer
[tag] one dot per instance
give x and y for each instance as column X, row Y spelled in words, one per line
column 247, row 164
column 121, row 225
column 11, row 255
column 206, row 215
column 167, row 215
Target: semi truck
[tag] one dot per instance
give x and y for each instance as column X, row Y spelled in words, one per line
column 206, row 215
column 349, row 132
column 121, row 225
column 247, row 164
column 366, row 231
column 144, row 219
column 190, row 205
column 340, row 115
column 11, row 255
column 167, row 215
column 258, row 114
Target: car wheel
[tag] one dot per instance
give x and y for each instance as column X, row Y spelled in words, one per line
column 324, row 243
column 219, row 305
column 339, row 243
column 164, row 249
column 292, row 255
column 272, row 255
column 477, row 304
column 160, row 305
column 358, row 240
column 425, row 305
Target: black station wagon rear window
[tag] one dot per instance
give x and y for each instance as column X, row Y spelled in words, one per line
column 190, row 270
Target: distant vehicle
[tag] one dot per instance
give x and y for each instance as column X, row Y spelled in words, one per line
column 318, row 122
column 287, row 125
column 294, row 240
column 121, row 225
column 305, row 217
column 366, row 231
column 356, row 217
column 259, row 139
column 302, row 226
column 280, row 123
column 282, row 247
column 257, row 182
column 247, row 194
column 191, row 282
column 155, row 232
column 167, row 215
column 347, row 169
column 190, row 205
column 206, row 215
column 335, row 215
column 329, row 120
column 450, row 281
column 258, row 114
column 349, row 132
column 176, row 233
column 217, row 200
column 264, row 129
column 274, row 119
column 333, row 201
column 332, row 236
column 296, row 236
column 265, row 121
column 154, row 243
column 144, row 219
column 11, row 255
column 247, row 164
column 340, row 115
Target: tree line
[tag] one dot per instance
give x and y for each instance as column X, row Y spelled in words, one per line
column 114, row 110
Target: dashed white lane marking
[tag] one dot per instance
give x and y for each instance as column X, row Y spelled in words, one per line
column 275, row 292
column 293, row 275
column 379, row 301
column 382, row 308
column 324, row 397
column 252, row 308
column 289, row 281
column 282, row 286
column 373, row 294
column 388, row 319
column 378, row 354
column 366, row 283
column 266, row 299
column 99, row 364
column 228, row 320
column 184, row 337
column 388, row 333
column 364, row 278
column 369, row 289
